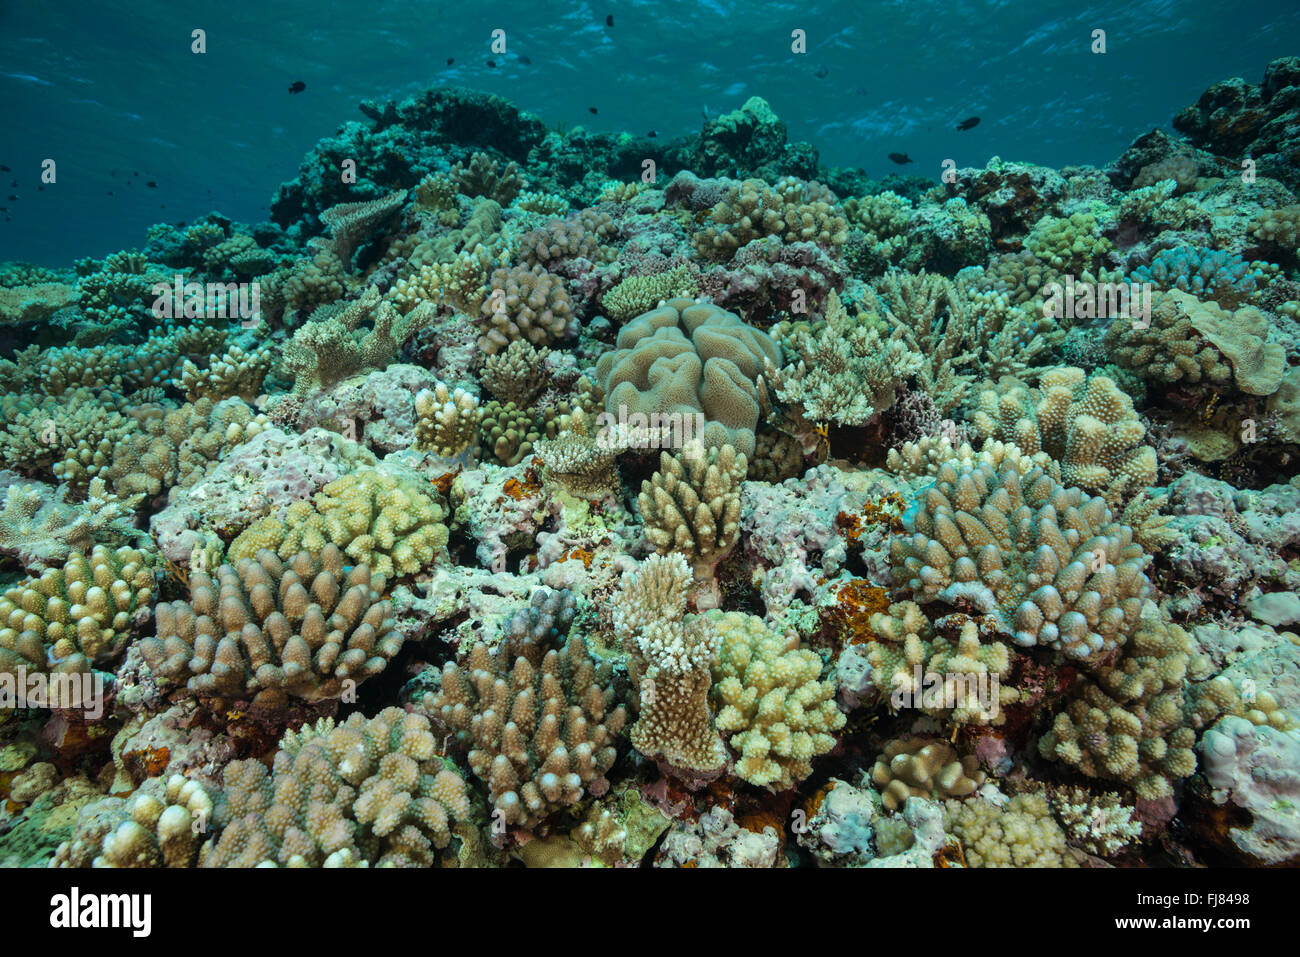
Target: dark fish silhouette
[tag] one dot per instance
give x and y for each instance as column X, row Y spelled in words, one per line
column 5, row 169
column 821, row 72
column 135, row 173
column 609, row 20
column 591, row 110
column 652, row 134
column 525, row 61
column 12, row 196
column 492, row 63
column 969, row 123
column 297, row 87
column 900, row 158
column 151, row 184
column 450, row 60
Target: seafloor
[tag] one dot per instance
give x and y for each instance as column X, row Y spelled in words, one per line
column 537, row 496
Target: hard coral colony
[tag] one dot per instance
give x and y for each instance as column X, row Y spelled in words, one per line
column 746, row 514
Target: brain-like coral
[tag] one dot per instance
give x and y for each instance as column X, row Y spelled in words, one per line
column 685, row 358
column 1051, row 566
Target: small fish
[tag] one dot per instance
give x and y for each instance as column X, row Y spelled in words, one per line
column 450, row 60
column 5, row 169
column 609, row 20
column 297, row 86
column 525, row 61
column 821, row 72
column 11, row 196
column 40, row 189
column 135, row 172
column 652, row 134
column 151, row 184
column 492, row 63
column 969, row 123
column 592, row 110
column 4, row 209
column 900, row 158
column 110, row 192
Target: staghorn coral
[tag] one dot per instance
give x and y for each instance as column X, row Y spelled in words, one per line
column 768, row 695
column 685, row 358
column 847, row 372
column 367, row 791
column 671, row 656
column 446, row 422
column 332, row 345
column 525, row 303
column 78, row 615
column 393, row 524
column 1048, row 565
column 692, row 506
column 267, row 629
column 534, row 719
column 1083, row 422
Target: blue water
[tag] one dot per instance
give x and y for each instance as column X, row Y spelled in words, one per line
column 110, row 90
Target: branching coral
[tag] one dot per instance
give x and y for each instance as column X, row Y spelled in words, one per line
column 333, row 345
column 267, row 629
column 369, row 791
column 925, row 768
column 792, row 210
column 77, row 615
column 847, row 372
column 392, row 524
column 523, row 303
column 538, row 722
column 446, row 422
column 1048, row 565
column 1084, row 422
column 671, row 656
column 692, row 506
column 1127, row 723
column 769, row 697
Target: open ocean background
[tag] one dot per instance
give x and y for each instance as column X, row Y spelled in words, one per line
column 111, row 89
